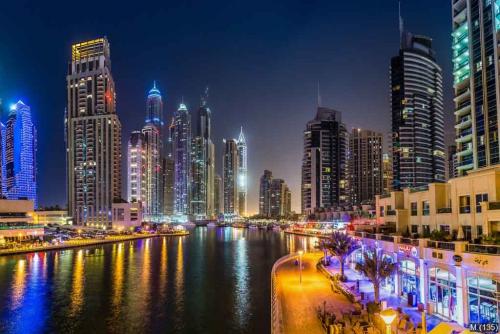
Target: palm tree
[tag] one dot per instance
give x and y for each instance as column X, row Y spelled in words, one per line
column 376, row 267
column 340, row 245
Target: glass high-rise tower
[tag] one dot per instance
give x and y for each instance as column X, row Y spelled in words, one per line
column 93, row 135
column 476, row 24
column 418, row 153
column 182, row 160
column 19, row 144
column 230, row 163
column 242, row 174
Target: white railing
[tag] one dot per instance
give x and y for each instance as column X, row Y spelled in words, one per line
column 276, row 312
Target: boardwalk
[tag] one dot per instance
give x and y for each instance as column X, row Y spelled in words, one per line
column 299, row 301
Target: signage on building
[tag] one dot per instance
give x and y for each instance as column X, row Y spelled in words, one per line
column 408, row 250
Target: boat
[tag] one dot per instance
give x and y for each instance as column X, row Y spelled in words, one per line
column 253, row 226
column 211, row 224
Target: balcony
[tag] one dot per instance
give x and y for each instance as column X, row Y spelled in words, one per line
column 464, row 123
column 483, row 249
column 444, row 210
column 409, row 241
column 371, row 236
column 441, row 245
column 391, row 212
column 494, row 206
column 464, row 138
column 388, row 238
column 463, row 110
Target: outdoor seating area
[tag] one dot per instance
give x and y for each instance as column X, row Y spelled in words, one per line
column 362, row 321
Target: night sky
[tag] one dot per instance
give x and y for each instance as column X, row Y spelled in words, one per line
column 261, row 59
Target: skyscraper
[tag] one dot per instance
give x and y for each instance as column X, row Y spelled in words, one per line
column 365, row 165
column 279, row 199
column 452, row 162
column 265, row 193
column 417, row 114
column 218, row 201
column 182, row 160
column 136, row 168
column 324, row 169
column 475, row 71
column 230, row 178
column 242, row 174
column 19, row 142
column 93, row 135
column 153, row 205
column 387, row 172
column 203, row 164
column 169, row 172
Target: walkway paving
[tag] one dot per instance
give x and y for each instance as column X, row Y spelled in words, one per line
column 299, row 301
column 392, row 299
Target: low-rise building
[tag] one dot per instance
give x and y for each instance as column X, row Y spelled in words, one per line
column 16, row 220
column 455, row 275
column 126, row 215
column 52, row 217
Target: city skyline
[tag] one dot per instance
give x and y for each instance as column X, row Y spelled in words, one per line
column 254, row 107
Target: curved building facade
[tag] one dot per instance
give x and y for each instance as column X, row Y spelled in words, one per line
column 417, row 114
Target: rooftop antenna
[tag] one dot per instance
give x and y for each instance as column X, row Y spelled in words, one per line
column 319, row 96
column 401, row 28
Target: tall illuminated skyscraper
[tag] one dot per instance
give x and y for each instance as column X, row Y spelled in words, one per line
column 168, row 172
column 265, row 193
column 218, row 200
column 242, row 174
column 324, row 163
column 418, row 156
column 136, row 168
column 230, row 178
column 153, row 205
column 182, row 160
column 476, row 66
column 93, row 135
column 203, row 165
column 20, row 154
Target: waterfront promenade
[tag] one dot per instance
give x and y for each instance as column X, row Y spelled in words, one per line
column 299, row 301
column 86, row 242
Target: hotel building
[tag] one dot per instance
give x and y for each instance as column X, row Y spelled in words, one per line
column 136, row 168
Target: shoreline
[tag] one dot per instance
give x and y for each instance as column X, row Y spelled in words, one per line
column 88, row 243
column 307, row 234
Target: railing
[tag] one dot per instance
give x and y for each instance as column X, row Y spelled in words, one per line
column 370, row 236
column 391, row 212
column 418, row 189
column 389, row 238
column 483, row 249
column 20, row 227
column 444, row 210
column 494, row 206
column 386, row 195
column 358, row 234
column 441, row 245
column 276, row 315
column 409, row 241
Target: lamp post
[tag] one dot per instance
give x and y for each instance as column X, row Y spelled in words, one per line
column 300, row 265
column 388, row 315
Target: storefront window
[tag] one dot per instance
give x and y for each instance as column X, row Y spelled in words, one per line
column 483, row 304
column 409, row 278
column 443, row 292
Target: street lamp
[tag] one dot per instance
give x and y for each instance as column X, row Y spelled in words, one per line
column 300, row 265
column 388, row 315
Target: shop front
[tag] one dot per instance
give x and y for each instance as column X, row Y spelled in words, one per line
column 443, row 293
column 483, row 294
column 409, row 276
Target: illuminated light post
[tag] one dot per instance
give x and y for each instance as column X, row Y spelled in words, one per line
column 300, row 265
column 388, row 315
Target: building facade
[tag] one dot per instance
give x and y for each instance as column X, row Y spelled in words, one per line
column 153, row 139
column 418, row 153
column 136, row 168
column 475, row 70
column 19, row 160
column 182, row 160
column 230, row 165
column 365, row 166
column 324, row 163
column 93, row 135
column 454, row 275
column 169, row 172
column 203, row 164
column 280, row 199
column 387, row 172
column 265, row 194
column 242, row 174
column 218, row 200
column 452, row 162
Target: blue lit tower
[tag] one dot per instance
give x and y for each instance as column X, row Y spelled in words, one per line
column 153, row 205
column 20, row 154
column 182, row 160
column 242, row 174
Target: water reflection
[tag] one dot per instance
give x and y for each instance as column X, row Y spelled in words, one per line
column 215, row 280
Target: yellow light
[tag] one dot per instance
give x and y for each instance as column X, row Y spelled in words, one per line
column 388, row 315
column 301, row 252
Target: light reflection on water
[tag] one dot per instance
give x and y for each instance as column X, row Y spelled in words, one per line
column 213, row 281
